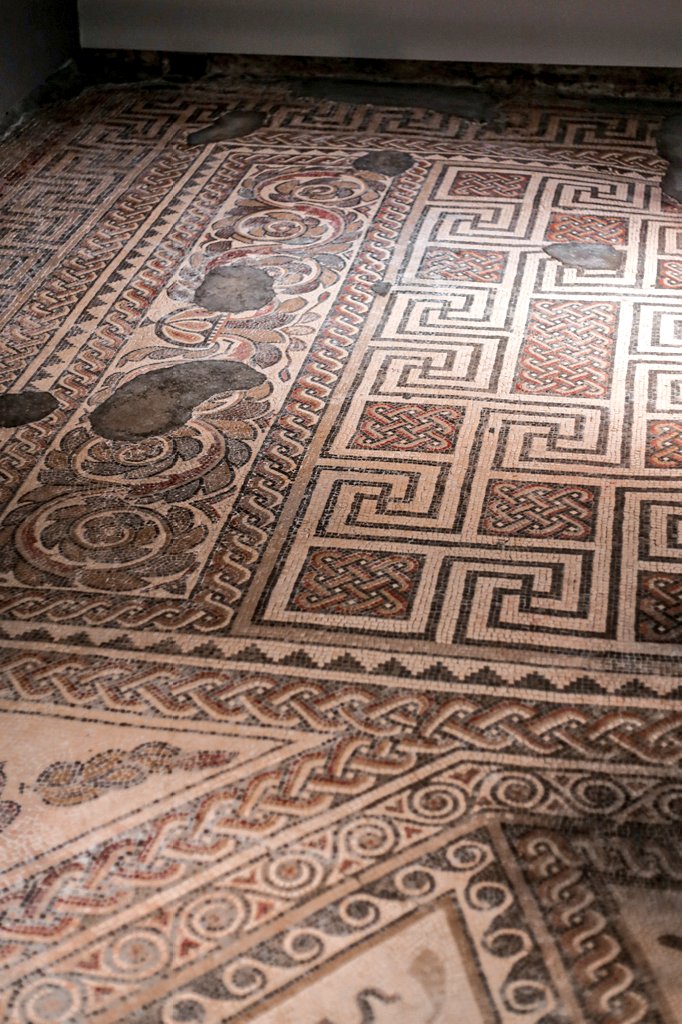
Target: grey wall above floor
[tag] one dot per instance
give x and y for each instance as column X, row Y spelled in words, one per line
column 608, row 32
column 37, row 37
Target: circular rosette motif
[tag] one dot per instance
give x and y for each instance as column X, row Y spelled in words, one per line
column 668, row 803
column 244, row 978
column 103, row 542
column 179, row 463
column 599, row 796
column 526, row 995
column 187, row 1006
column 303, row 944
column 517, row 792
column 440, row 802
column 139, row 954
column 318, row 188
column 370, row 837
column 295, row 225
column 358, row 911
column 215, row 916
column 466, row 855
column 53, row 1000
column 294, row 873
column 414, row 882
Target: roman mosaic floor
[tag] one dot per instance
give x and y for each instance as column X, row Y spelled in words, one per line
column 341, row 561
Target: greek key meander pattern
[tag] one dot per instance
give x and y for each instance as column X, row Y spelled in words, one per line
column 374, row 661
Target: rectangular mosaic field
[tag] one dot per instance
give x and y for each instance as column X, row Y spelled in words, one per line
column 340, row 564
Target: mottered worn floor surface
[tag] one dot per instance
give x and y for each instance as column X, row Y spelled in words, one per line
column 341, row 562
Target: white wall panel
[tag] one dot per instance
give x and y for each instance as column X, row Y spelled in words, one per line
column 618, row 32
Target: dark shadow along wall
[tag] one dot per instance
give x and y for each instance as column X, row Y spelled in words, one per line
column 38, row 36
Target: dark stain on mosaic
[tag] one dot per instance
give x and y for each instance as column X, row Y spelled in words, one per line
column 235, row 289
column 461, row 101
column 161, row 400
column 586, row 255
column 233, row 125
column 381, row 287
column 390, row 162
column 17, row 408
column 669, row 143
